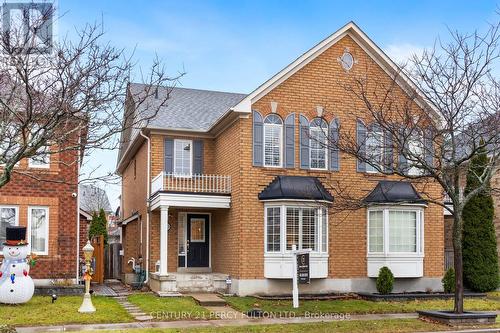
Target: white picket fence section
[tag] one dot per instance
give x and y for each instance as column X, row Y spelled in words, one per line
column 219, row 184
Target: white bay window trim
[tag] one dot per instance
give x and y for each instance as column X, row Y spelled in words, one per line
column 278, row 264
column 402, row 264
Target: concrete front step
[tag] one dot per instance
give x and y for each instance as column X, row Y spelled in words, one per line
column 190, row 283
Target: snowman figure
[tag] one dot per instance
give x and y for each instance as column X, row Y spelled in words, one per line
column 16, row 286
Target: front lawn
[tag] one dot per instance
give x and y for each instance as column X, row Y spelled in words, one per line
column 40, row 311
column 169, row 308
column 356, row 306
column 373, row 326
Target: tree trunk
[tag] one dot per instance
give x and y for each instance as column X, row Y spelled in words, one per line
column 458, row 264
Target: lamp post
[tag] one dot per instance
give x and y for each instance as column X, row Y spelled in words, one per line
column 87, row 305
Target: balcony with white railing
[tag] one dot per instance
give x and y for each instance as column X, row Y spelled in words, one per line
column 199, row 184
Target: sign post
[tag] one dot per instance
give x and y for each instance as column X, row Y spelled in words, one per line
column 301, row 272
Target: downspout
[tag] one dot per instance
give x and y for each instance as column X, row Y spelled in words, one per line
column 78, row 213
column 148, row 183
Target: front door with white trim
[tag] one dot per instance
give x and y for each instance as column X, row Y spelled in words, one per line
column 198, row 240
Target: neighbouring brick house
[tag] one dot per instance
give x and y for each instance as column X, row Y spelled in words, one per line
column 222, row 185
column 43, row 196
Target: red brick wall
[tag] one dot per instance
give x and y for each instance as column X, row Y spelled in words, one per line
column 56, row 193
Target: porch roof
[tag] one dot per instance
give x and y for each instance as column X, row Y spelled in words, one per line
column 391, row 191
column 295, row 188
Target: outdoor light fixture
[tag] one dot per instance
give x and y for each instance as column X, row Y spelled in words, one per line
column 87, row 306
column 54, row 298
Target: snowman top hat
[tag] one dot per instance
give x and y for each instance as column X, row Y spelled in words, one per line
column 16, row 236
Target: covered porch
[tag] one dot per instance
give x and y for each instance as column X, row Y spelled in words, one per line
column 187, row 218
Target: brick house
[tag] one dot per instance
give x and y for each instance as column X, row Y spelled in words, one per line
column 223, row 185
column 43, row 196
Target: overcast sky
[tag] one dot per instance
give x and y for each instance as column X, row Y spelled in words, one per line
column 237, row 45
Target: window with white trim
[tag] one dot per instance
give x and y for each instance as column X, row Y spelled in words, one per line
column 416, row 152
column 41, row 159
column 318, row 133
column 288, row 225
column 9, row 216
column 395, row 230
column 273, row 140
column 183, row 157
column 374, row 148
column 273, row 216
column 38, row 229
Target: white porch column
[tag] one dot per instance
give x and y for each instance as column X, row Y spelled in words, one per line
column 163, row 240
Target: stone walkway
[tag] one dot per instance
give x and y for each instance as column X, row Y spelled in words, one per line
column 133, row 310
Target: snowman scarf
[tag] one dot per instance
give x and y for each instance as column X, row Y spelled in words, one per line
column 5, row 268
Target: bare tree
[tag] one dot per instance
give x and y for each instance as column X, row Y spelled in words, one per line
column 426, row 122
column 67, row 97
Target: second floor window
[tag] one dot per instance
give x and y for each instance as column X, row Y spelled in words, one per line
column 318, row 141
column 273, row 140
column 416, row 154
column 183, row 157
column 374, row 149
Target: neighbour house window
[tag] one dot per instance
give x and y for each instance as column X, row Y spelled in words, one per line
column 41, row 160
column 304, row 227
column 273, row 140
column 9, row 216
column 395, row 231
column 318, row 133
column 38, row 229
column 183, row 157
column 374, row 148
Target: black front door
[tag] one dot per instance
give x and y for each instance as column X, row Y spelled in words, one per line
column 198, row 238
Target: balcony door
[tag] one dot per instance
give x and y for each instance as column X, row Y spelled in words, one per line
column 198, row 240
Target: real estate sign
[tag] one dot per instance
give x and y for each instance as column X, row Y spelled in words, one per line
column 303, row 268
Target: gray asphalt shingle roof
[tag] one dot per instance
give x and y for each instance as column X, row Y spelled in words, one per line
column 190, row 109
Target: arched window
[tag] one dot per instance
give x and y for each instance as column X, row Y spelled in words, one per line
column 318, row 134
column 273, row 140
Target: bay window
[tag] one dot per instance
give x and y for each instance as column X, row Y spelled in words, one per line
column 395, row 230
column 289, row 225
column 273, row 140
column 318, row 132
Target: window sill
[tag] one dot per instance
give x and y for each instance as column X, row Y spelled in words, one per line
column 402, row 265
column 280, row 265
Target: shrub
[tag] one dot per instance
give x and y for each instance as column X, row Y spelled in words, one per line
column 98, row 226
column 480, row 259
column 7, row 329
column 449, row 281
column 385, row 281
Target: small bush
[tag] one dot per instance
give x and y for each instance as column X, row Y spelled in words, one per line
column 385, row 281
column 7, row 329
column 449, row 281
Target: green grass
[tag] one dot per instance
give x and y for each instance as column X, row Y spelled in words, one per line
column 374, row 326
column 40, row 311
column 495, row 294
column 169, row 308
column 356, row 306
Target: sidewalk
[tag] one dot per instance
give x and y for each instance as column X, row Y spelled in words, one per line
column 226, row 322
column 208, row 323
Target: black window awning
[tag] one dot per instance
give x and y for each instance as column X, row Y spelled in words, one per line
column 389, row 191
column 295, row 188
